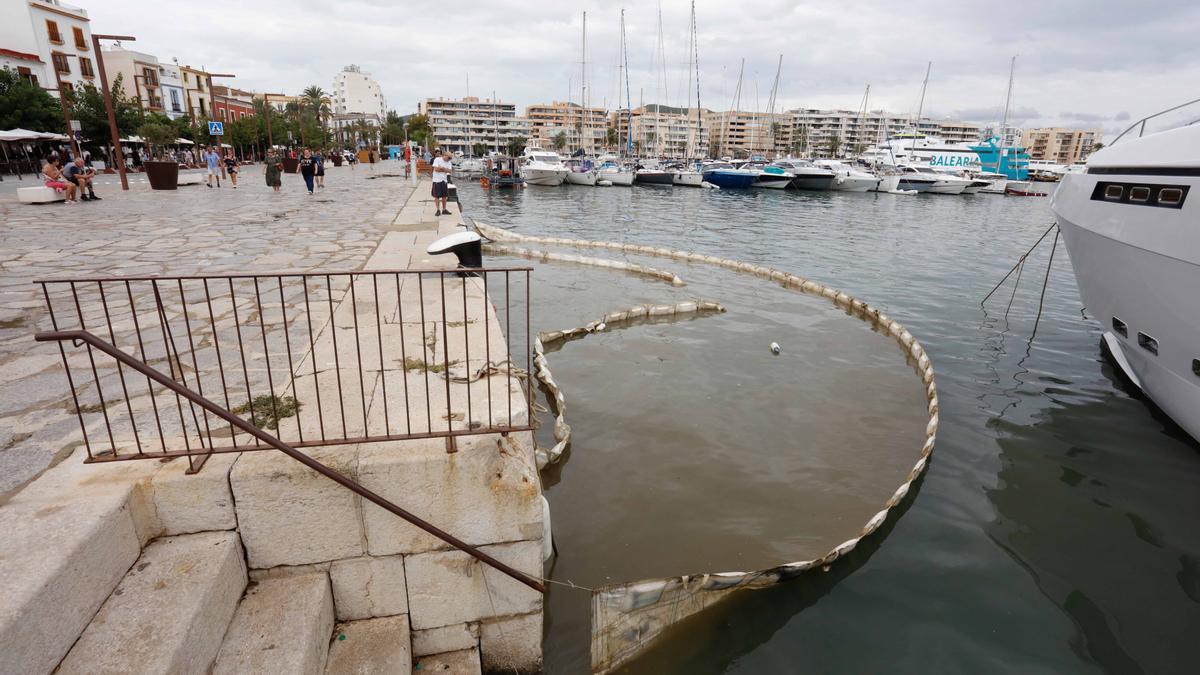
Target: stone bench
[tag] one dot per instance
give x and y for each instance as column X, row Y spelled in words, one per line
column 190, row 179
column 39, row 195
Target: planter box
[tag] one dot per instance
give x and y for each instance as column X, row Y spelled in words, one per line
column 337, row 160
column 290, row 164
column 162, row 175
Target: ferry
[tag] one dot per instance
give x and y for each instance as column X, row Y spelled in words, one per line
column 1129, row 220
column 940, row 155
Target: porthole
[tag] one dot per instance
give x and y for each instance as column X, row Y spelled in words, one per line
column 1170, row 196
column 1196, row 367
column 1119, row 326
column 1113, row 192
column 1139, row 194
column 1148, row 343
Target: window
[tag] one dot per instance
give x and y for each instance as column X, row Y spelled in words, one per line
column 1196, row 367
column 68, row 88
column 175, row 100
column 1148, row 343
column 52, row 31
column 60, row 63
column 149, row 77
column 1170, row 196
column 1139, row 194
column 80, row 41
column 85, row 67
column 27, row 75
column 1120, row 326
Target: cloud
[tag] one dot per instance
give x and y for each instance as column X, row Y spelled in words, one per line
column 1121, row 116
column 1088, row 56
column 1083, row 116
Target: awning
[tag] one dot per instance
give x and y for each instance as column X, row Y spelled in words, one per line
column 27, row 135
column 183, row 141
column 132, row 139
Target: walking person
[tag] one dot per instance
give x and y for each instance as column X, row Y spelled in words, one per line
column 273, row 169
column 213, row 161
column 441, row 187
column 231, row 166
column 308, row 168
column 319, row 161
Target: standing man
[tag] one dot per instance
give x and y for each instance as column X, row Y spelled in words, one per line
column 213, row 160
column 407, row 158
column 441, row 189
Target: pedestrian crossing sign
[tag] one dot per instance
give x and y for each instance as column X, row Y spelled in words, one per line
column 216, row 128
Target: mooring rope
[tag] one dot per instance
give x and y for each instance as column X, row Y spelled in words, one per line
column 625, row 617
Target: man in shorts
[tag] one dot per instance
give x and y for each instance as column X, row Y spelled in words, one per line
column 213, row 160
column 81, row 176
column 441, row 188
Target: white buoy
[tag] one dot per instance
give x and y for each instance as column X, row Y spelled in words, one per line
column 775, row 349
column 604, row 183
column 710, row 186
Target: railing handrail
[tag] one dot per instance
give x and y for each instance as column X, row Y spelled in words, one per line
column 1142, row 122
column 263, row 275
column 136, row 364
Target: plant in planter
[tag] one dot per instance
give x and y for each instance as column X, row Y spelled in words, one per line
column 163, row 173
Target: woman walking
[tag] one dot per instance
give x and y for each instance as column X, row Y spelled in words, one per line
column 231, row 167
column 272, row 168
column 308, row 168
column 319, row 160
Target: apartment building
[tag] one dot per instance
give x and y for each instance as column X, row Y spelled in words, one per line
column 582, row 127
column 156, row 86
column 1059, row 145
column 839, row 133
column 740, row 134
column 230, row 104
column 357, row 92
column 460, row 124
column 197, row 97
column 47, row 40
column 663, row 130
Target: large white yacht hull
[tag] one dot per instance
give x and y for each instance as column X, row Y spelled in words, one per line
column 1140, row 265
column 546, row 177
column 688, row 178
column 947, row 188
column 996, row 187
column 887, row 183
column 851, row 183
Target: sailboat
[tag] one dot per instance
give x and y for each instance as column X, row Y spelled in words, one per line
column 581, row 171
column 654, row 174
column 683, row 176
column 611, row 168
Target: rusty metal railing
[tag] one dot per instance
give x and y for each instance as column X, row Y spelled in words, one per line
column 316, row 359
column 135, row 364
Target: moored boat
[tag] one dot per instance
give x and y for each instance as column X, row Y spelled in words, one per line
column 724, row 175
column 806, row 175
column 1135, row 248
column 580, row 172
column 543, row 167
column 847, row 178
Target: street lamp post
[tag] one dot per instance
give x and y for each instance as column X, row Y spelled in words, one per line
column 118, row 155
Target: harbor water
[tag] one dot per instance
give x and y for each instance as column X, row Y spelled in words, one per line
column 1053, row 531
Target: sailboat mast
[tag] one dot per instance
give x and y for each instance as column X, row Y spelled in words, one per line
column 771, row 103
column 583, row 82
column 628, row 93
column 862, row 114
column 696, row 66
column 920, row 107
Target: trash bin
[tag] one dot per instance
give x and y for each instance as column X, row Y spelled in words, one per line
column 466, row 246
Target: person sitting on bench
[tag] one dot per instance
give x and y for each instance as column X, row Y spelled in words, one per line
column 55, row 181
column 82, row 176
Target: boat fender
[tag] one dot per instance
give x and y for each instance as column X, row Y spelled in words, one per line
column 706, row 184
column 775, row 349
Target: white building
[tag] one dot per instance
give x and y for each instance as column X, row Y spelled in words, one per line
column 141, row 76
column 39, row 37
column 827, row 133
column 356, row 92
column 460, row 124
column 174, row 96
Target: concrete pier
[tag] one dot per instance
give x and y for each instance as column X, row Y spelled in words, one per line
column 393, row 594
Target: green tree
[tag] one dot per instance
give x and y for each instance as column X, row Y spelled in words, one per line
column 420, row 131
column 611, row 137
column 479, row 149
column 516, row 145
column 158, row 136
column 393, row 128
column 560, row 140
column 27, row 106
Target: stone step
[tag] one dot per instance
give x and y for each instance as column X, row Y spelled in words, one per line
column 170, row 611
column 282, row 626
column 465, row 662
column 371, row 646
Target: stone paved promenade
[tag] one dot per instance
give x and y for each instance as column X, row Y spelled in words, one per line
column 141, row 232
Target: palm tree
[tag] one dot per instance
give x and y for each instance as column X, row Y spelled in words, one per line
column 316, row 99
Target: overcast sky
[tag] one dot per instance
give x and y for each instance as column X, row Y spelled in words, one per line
column 1083, row 63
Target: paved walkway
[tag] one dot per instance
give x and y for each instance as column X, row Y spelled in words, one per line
column 190, row 231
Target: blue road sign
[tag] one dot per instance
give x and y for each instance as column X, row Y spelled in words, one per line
column 216, row 128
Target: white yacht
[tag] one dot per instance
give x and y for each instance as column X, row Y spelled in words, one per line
column 887, row 181
column 916, row 148
column 943, row 184
column 807, row 175
column 997, row 183
column 847, row 178
column 688, row 178
column 543, row 167
column 609, row 168
column 1134, row 242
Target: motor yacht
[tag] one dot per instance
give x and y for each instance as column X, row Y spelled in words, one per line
column 942, row 184
column 651, row 173
column 886, row 181
column 688, row 177
column 847, row 178
column 543, row 167
column 771, row 177
column 1130, row 224
column 996, row 182
column 806, row 175
column 611, row 170
column 725, row 175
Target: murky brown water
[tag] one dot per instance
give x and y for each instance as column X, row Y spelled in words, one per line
column 696, row 449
